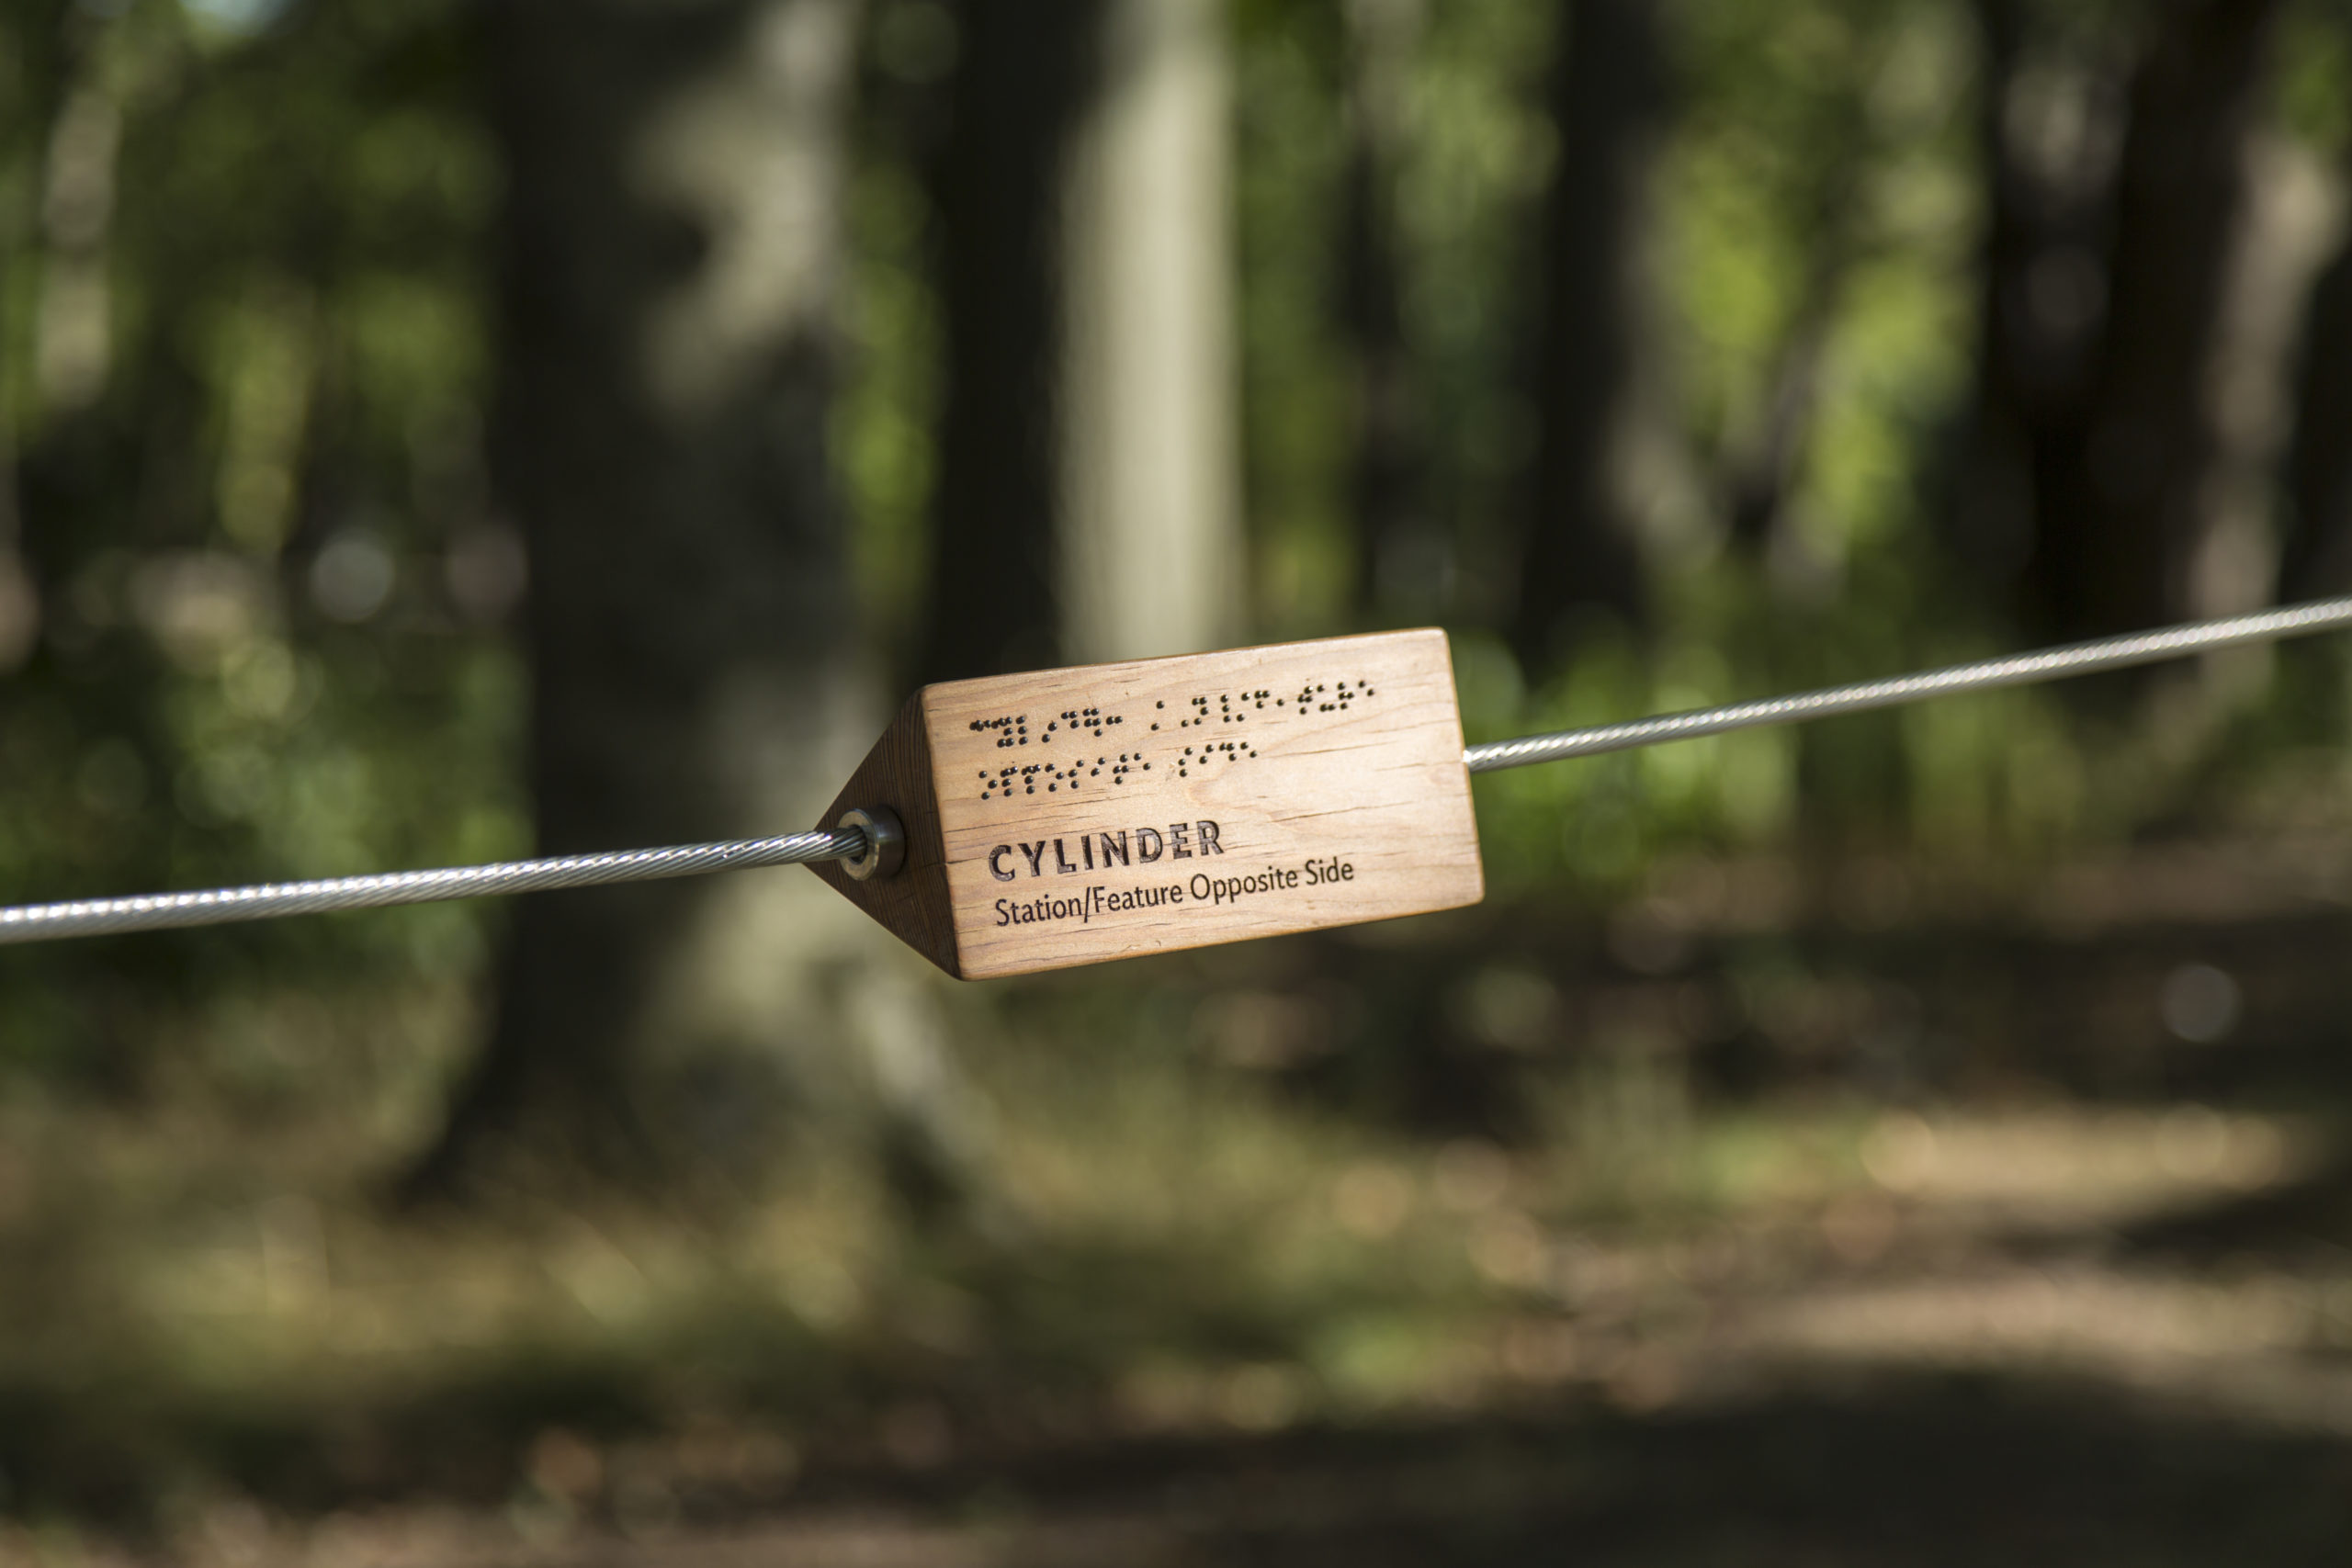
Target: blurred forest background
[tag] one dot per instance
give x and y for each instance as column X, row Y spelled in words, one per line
column 430, row 431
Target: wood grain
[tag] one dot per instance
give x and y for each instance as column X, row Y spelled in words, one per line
column 1076, row 815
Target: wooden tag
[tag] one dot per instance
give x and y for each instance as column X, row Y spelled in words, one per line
column 1073, row 815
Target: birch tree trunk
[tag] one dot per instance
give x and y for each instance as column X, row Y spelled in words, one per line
column 1152, row 554
column 1089, row 497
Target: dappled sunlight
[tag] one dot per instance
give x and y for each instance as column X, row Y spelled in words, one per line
column 1200, row 1262
column 2065, row 1169
column 435, row 433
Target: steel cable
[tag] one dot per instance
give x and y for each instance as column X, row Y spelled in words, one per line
column 91, row 916
column 2014, row 669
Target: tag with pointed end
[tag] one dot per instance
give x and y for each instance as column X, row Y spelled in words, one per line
column 1074, row 816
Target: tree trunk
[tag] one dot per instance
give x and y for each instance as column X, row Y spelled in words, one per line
column 1387, row 486
column 1609, row 102
column 2043, row 284
column 2316, row 554
column 673, row 239
column 2121, row 519
column 1152, row 554
column 58, row 161
column 1021, row 82
column 1088, row 501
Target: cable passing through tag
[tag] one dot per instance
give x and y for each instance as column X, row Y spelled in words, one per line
column 1030, row 822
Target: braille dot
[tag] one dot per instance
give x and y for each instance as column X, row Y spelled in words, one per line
column 1031, row 790
column 1147, row 767
column 1050, row 788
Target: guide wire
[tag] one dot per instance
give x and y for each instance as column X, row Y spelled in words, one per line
column 92, row 917
column 2013, row 670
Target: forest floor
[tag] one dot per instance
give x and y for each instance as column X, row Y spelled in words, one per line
column 1867, row 1222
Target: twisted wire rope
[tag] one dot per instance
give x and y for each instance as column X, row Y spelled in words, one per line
column 2012, row 670
column 92, row 917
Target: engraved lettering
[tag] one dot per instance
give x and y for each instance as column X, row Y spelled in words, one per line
column 996, row 866
column 1147, row 845
column 1209, row 846
column 1088, row 845
column 1036, row 853
column 1117, row 847
column 1061, row 859
column 1177, row 842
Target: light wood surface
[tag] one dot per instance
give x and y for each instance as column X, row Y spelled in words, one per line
column 1075, row 816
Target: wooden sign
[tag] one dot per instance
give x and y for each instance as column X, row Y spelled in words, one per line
column 1074, row 816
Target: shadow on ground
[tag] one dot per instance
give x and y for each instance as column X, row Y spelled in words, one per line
column 1882, row 1470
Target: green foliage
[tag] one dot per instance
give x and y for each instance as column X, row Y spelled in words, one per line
column 881, row 437
column 244, row 381
column 1288, row 165
column 274, row 582
column 257, row 507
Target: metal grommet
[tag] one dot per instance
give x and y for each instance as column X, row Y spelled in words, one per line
column 886, row 843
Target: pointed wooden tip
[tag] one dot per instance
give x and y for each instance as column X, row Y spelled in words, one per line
column 913, row 906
